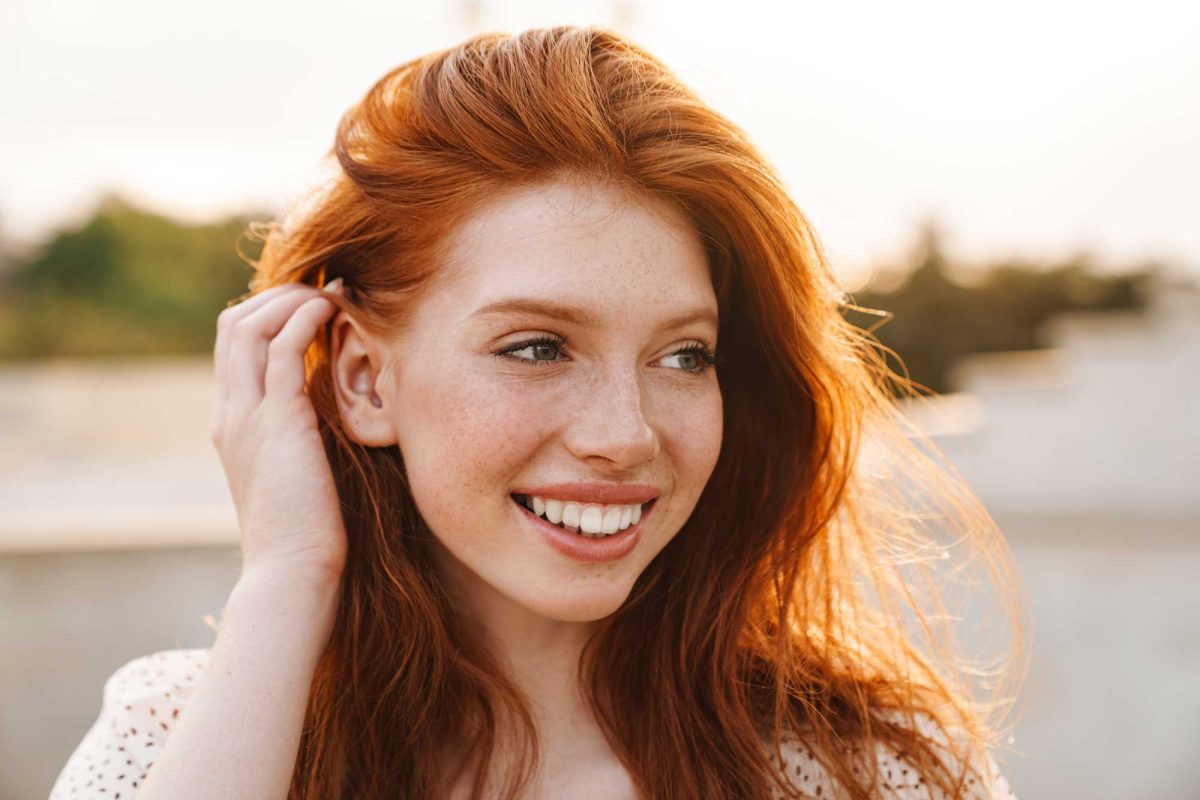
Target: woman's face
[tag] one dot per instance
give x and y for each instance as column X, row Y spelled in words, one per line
column 618, row 404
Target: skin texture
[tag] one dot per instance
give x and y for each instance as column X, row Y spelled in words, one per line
column 617, row 403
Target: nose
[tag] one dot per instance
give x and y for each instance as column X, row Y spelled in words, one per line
column 609, row 423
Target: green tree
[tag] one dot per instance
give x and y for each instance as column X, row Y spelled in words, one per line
column 937, row 319
column 126, row 282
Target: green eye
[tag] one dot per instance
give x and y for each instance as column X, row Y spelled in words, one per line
column 545, row 345
column 699, row 357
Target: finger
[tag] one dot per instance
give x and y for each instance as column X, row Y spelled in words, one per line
column 226, row 321
column 285, row 354
column 248, row 351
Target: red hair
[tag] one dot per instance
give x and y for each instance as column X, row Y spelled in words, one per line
column 800, row 598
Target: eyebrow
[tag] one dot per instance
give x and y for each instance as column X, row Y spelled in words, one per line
column 581, row 316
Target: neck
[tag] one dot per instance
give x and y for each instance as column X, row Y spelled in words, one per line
column 540, row 656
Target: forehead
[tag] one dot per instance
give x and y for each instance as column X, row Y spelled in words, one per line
column 579, row 239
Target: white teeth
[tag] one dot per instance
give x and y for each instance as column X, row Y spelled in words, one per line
column 570, row 517
column 587, row 519
column 591, row 519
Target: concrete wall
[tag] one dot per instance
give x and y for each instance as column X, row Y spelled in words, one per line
column 70, row 619
column 1108, row 422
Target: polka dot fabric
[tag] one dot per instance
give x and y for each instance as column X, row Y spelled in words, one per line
column 142, row 701
column 144, row 698
column 898, row 779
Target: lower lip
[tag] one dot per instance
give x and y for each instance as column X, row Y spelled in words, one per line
column 583, row 548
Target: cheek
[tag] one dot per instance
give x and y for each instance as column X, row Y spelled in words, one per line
column 693, row 432
column 465, row 437
column 715, row 426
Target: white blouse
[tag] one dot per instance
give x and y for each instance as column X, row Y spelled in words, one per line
column 144, row 698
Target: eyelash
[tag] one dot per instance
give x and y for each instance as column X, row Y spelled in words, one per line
column 709, row 359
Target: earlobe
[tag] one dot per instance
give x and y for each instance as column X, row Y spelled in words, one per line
column 355, row 369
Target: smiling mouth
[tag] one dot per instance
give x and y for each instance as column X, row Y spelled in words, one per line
column 526, row 504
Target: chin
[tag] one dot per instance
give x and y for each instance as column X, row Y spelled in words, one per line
column 576, row 605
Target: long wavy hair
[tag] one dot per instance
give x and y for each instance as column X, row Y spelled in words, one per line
column 802, row 600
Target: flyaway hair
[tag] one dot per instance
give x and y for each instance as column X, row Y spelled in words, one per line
column 812, row 596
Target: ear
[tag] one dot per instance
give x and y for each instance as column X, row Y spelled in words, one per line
column 356, row 363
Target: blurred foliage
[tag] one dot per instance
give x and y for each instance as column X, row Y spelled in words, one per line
column 128, row 282
column 939, row 314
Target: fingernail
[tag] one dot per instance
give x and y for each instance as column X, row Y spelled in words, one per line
column 334, row 286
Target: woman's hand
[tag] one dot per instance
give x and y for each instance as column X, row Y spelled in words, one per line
column 265, row 430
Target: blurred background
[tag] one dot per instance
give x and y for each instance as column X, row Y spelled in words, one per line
column 1015, row 185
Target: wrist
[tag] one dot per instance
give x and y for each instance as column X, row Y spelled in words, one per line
column 288, row 590
column 288, row 611
column 292, row 575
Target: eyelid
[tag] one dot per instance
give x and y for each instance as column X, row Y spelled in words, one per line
column 539, row 339
column 710, row 359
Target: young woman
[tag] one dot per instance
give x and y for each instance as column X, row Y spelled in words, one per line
column 557, row 486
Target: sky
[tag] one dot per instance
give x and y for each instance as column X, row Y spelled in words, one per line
column 1025, row 130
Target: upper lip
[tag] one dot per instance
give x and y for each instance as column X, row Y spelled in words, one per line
column 602, row 493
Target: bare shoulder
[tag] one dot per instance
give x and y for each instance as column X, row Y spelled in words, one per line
column 898, row 779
